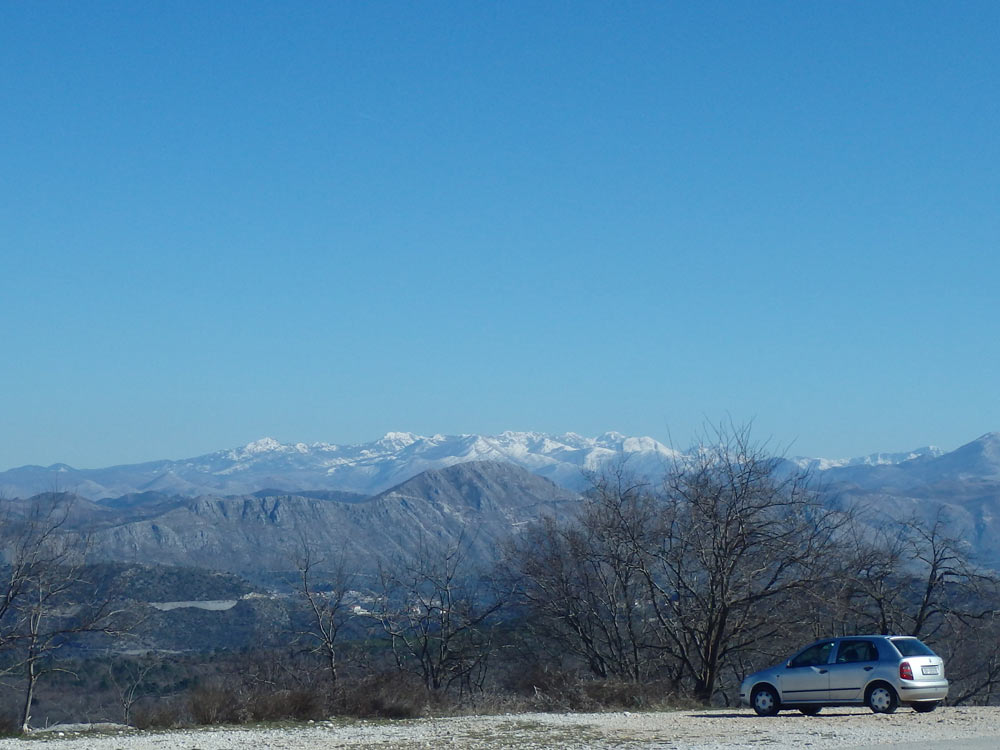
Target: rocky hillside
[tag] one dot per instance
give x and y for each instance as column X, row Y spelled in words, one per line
column 249, row 534
column 964, row 485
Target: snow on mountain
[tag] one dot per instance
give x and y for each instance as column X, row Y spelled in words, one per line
column 963, row 485
column 370, row 468
column 872, row 459
column 366, row 468
column 399, row 456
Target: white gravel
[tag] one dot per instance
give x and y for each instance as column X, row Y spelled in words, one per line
column 845, row 729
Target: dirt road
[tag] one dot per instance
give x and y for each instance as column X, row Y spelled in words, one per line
column 843, row 729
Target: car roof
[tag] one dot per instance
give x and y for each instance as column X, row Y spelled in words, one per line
column 867, row 635
column 880, row 636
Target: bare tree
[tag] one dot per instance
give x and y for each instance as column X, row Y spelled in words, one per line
column 50, row 598
column 682, row 581
column 439, row 615
column 912, row 576
column 872, row 592
column 948, row 583
column 329, row 609
column 740, row 535
column 972, row 655
column 128, row 678
column 581, row 580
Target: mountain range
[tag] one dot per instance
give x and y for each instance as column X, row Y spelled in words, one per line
column 370, row 468
column 250, row 510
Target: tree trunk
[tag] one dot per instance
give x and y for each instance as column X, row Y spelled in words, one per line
column 29, row 694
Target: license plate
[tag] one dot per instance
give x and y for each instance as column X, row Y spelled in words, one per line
column 929, row 670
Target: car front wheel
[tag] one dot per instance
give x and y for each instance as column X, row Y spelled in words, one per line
column 882, row 699
column 765, row 701
column 811, row 710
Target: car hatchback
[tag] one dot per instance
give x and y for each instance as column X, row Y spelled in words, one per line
column 878, row 671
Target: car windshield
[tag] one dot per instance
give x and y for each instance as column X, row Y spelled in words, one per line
column 911, row 647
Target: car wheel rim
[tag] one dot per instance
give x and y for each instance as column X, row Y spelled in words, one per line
column 880, row 699
column 764, row 701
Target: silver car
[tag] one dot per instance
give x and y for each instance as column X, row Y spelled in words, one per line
column 882, row 672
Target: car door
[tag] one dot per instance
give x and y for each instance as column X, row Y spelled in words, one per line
column 852, row 666
column 807, row 674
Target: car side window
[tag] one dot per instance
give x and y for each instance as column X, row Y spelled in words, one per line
column 813, row 656
column 851, row 652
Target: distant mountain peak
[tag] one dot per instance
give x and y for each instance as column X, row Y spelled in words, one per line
column 263, row 445
column 872, row 459
column 398, row 440
column 267, row 445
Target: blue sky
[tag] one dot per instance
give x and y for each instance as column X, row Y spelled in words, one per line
column 324, row 221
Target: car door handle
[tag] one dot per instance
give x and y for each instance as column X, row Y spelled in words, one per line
column 869, row 669
column 822, row 671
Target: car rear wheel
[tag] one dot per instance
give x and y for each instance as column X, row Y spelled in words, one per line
column 765, row 701
column 926, row 707
column 882, row 699
column 810, row 710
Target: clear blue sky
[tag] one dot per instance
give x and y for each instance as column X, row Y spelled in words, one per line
column 327, row 220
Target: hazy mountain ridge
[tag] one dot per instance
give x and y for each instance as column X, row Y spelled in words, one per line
column 978, row 460
column 370, row 468
column 367, row 468
column 483, row 501
column 872, row 459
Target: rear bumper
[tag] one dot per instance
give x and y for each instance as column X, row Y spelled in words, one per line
column 923, row 691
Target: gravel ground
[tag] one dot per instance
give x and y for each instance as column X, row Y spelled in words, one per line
column 844, row 729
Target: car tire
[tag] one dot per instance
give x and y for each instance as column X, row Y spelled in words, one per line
column 810, row 710
column 765, row 701
column 881, row 698
column 925, row 707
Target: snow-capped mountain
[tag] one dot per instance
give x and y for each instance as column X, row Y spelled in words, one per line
column 872, row 459
column 370, row 468
column 490, row 483
column 367, row 468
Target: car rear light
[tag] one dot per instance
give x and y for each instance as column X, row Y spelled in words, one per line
column 905, row 671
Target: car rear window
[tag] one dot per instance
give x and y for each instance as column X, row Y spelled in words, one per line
column 911, row 647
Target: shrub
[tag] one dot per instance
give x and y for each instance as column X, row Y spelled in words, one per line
column 561, row 690
column 166, row 713
column 387, row 696
column 285, row 704
column 9, row 725
column 218, row 705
